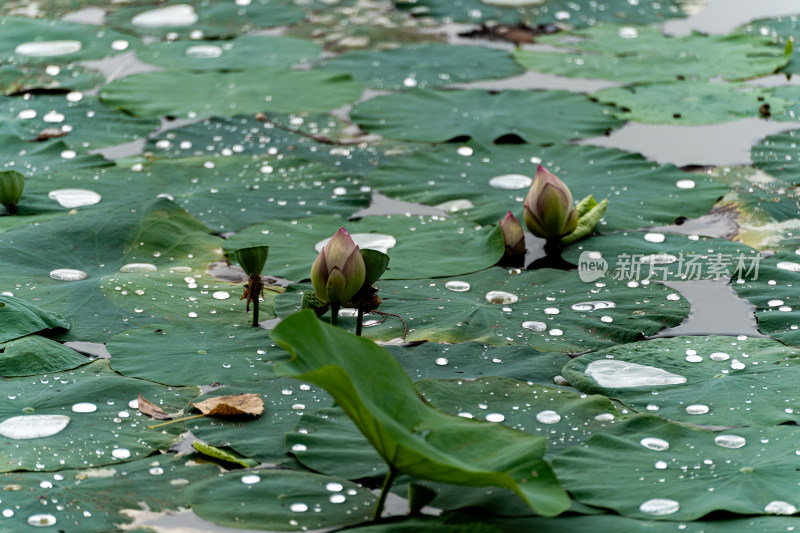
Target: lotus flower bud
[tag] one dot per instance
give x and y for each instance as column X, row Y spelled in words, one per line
column 513, row 235
column 549, row 212
column 11, row 185
column 339, row 271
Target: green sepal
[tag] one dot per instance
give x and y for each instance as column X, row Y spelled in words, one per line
column 223, row 454
column 376, row 263
column 310, row 301
column 11, row 185
column 589, row 214
column 252, row 259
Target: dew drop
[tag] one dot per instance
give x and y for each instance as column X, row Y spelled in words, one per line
column 84, row 407
column 780, row 507
column 495, row 417
column 337, row 498
column 555, row 332
column 250, row 479
column 654, row 443
column 121, row 453
column 534, row 325
column 719, row 356
column 441, row 361
column 8, row 513
column 138, row 267
column 551, row 311
column 299, row 448
column 177, row 15
column 659, row 507
column 48, row 48
column 221, row 295
column 453, row 206
column 685, row 184
column 53, row 117
column 204, row 51
column 465, row 151
column 788, row 265
column 604, row 417
column 548, row 417
column 298, row 508
column 334, row 487
column 457, row 286
column 592, row 306
column 42, row 520
column 120, row 45
column 628, row 32
column 696, row 409
column 613, row 373
column 730, row 441
column 654, row 237
column 501, row 298
column 71, row 198
column 694, row 358
column 511, row 182
column 26, row 114
column 775, row 303
column 68, row 274
column 661, row 465
column 156, row 471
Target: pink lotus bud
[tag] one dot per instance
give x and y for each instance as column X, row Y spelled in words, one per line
column 513, row 235
column 549, row 212
column 338, row 272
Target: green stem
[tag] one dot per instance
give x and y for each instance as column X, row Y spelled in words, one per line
column 255, row 312
column 359, row 321
column 387, row 484
column 335, row 314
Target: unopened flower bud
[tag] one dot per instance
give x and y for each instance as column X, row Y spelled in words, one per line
column 339, row 271
column 549, row 212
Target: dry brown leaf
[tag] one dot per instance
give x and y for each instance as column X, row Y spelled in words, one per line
column 49, row 133
column 233, row 405
column 152, row 410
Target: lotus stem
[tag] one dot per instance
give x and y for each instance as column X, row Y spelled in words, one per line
column 174, row 421
column 335, row 314
column 359, row 321
column 255, row 312
column 387, row 484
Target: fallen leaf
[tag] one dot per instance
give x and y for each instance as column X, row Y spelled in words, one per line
column 49, row 133
column 233, row 405
column 152, row 410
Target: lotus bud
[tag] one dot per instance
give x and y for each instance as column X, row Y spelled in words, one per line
column 252, row 260
column 339, row 271
column 11, row 185
column 549, row 212
column 513, row 235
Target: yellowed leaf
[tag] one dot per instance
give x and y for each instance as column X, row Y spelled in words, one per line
column 152, row 410
column 233, row 405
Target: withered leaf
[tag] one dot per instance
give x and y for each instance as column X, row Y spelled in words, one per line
column 152, row 410
column 233, row 405
column 50, row 133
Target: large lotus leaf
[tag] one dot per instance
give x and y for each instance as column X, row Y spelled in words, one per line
column 20, row 318
column 566, row 418
column 629, row 54
column 209, row 19
column 186, row 94
column 577, row 13
column 536, row 117
column 27, row 40
column 32, row 355
column 483, row 182
column 328, row 441
column 72, row 265
column 470, row 360
column 776, row 294
column 192, row 353
column 280, row 500
column 412, row 437
column 780, row 30
column 550, row 310
column 777, row 155
column 82, row 120
column 418, row 246
column 56, row 8
column 78, row 418
column 42, row 159
column 713, row 381
column 247, row 135
column 638, row 256
column 15, row 79
column 226, row 193
column 249, row 51
column 98, row 499
column 651, row 468
column 425, row 66
column 261, row 438
column 471, row 523
column 689, row 103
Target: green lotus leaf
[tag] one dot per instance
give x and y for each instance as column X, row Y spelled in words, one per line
column 32, row 354
column 777, row 156
column 667, row 467
column 192, row 353
column 185, row 94
column 482, row 182
column 549, row 310
column 21, row 318
column 261, row 438
column 78, row 120
column 412, row 437
column 780, row 30
column 249, row 51
column 279, row 500
column 42, row 159
column 536, row 117
column 418, row 246
column 628, row 54
column 711, row 381
column 99, row 499
column 424, row 66
column 16, row 79
column 81, row 418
